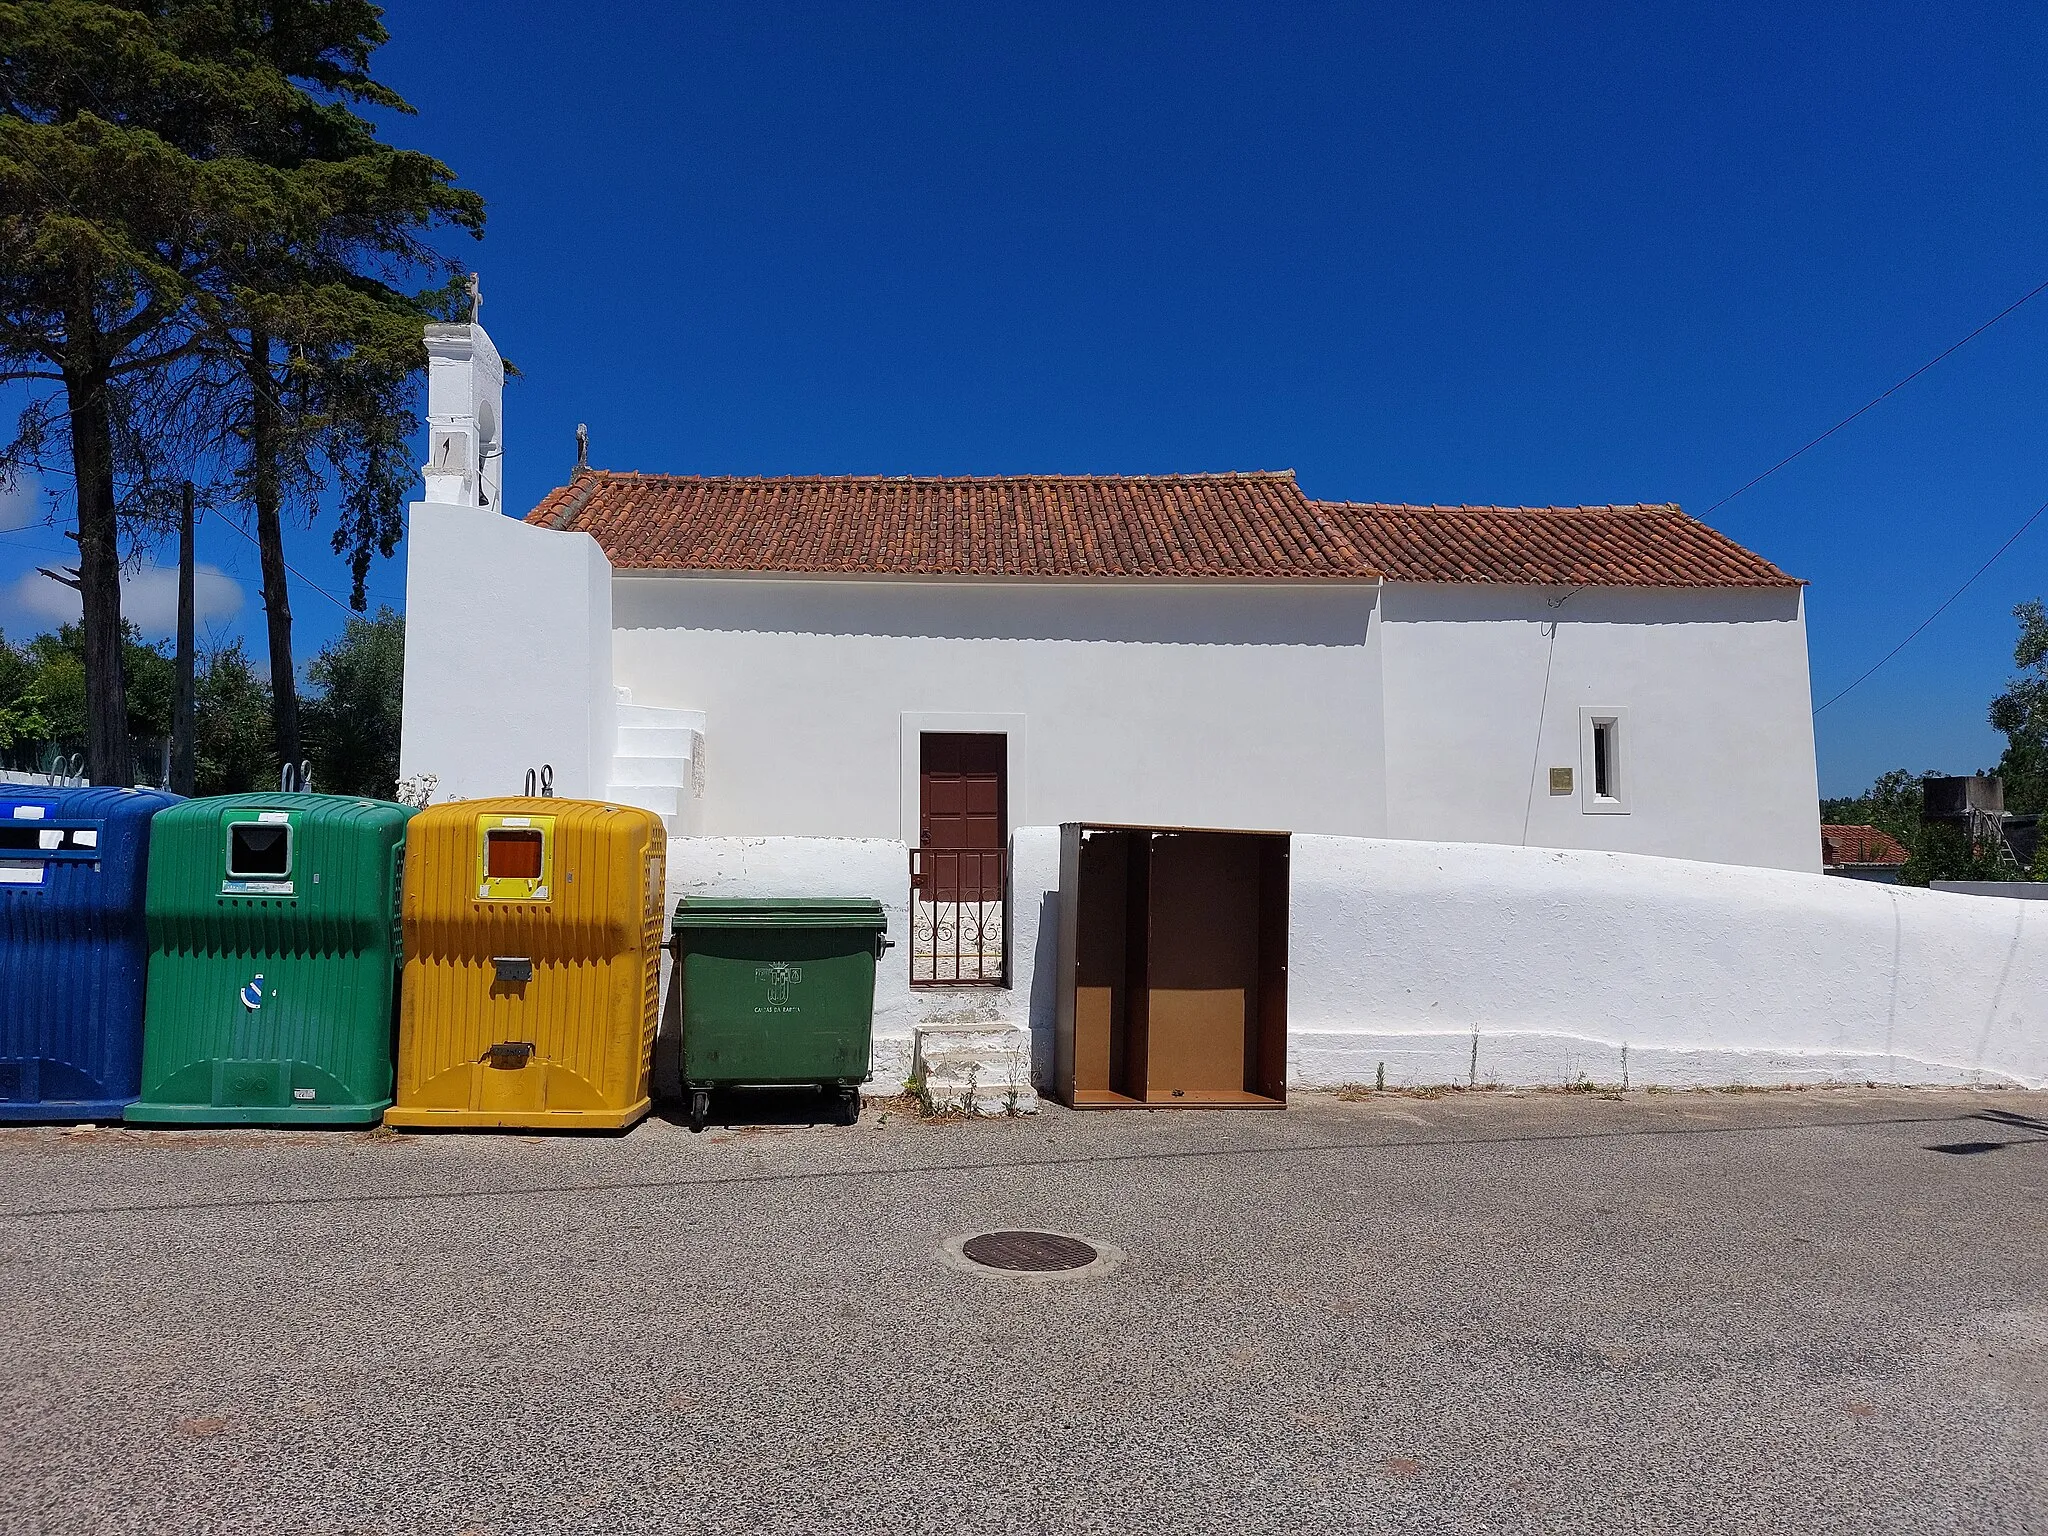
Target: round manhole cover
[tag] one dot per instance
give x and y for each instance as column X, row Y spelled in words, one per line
column 1030, row 1252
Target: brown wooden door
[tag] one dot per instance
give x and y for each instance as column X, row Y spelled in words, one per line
column 963, row 814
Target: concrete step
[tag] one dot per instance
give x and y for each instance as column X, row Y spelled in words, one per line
column 674, row 772
column 656, row 741
column 653, row 715
column 984, row 1066
column 662, row 799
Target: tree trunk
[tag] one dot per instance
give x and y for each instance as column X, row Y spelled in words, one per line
column 266, row 428
column 184, row 764
column 108, row 756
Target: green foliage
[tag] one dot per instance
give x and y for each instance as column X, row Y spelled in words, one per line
column 2021, row 713
column 22, row 721
column 1939, row 852
column 310, row 323
column 43, row 705
column 113, row 122
column 1943, row 851
column 352, row 721
column 352, row 716
column 200, row 229
column 231, row 734
column 45, row 677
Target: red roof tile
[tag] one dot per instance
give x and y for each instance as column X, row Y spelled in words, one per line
column 1646, row 546
column 1255, row 526
column 1196, row 527
column 1859, row 845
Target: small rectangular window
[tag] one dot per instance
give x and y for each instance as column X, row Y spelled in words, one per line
column 1606, row 782
column 259, row 851
column 512, row 855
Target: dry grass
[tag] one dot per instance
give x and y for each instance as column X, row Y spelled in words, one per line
column 911, row 1106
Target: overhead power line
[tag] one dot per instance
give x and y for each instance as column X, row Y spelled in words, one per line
column 303, row 577
column 2033, row 518
column 1874, row 402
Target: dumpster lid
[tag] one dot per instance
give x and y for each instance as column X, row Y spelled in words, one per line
column 780, row 912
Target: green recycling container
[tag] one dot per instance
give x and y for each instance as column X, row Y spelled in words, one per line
column 777, row 993
column 274, row 956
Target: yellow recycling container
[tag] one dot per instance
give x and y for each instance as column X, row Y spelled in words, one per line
column 533, row 932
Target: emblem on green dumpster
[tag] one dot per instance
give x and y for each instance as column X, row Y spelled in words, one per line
column 780, row 978
column 252, row 994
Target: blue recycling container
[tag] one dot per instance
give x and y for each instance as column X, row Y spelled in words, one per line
column 73, row 949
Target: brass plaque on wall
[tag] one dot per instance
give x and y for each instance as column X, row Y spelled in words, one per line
column 1560, row 781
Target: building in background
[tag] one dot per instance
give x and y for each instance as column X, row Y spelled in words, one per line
column 1861, row 853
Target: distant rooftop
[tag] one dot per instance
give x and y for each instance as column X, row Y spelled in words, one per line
column 1858, row 845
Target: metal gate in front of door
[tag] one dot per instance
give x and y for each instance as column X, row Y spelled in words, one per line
column 960, row 872
column 958, row 933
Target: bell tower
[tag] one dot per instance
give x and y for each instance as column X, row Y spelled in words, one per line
column 465, row 392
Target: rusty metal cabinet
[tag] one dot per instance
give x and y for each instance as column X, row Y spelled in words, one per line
column 1173, row 968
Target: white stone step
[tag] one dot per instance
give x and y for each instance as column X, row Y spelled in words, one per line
column 662, row 799
column 671, row 771
column 654, row 715
column 983, row 1065
column 656, row 740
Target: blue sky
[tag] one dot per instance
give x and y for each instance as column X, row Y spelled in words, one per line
column 1479, row 254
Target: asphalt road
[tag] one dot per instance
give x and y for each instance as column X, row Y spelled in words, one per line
column 1670, row 1312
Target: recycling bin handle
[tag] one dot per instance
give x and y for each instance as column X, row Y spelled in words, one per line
column 883, row 944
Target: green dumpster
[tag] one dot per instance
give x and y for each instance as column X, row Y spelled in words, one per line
column 777, row 993
column 274, row 952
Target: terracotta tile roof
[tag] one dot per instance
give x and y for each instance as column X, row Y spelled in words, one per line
column 1645, row 546
column 1256, row 526
column 1199, row 527
column 1859, row 845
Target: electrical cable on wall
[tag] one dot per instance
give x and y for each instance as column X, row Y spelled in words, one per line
column 1542, row 710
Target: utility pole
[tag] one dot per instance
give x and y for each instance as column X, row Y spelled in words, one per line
column 184, row 767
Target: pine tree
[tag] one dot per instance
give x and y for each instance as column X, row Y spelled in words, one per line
column 310, row 316
column 190, row 199
column 100, row 208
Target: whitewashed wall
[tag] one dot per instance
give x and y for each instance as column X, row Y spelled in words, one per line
column 879, row 868
column 508, row 655
column 805, row 867
column 1717, row 741
column 1254, row 706
column 1473, row 963
column 1460, row 963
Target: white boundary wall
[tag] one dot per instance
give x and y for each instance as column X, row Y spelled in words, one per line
column 1477, row 964
column 1461, row 963
column 508, row 655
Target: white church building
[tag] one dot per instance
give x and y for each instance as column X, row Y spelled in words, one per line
column 811, row 656
column 900, row 686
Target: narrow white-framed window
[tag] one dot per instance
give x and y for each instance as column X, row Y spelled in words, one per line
column 1605, row 774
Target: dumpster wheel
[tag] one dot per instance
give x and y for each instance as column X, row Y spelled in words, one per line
column 849, row 1106
column 700, row 1109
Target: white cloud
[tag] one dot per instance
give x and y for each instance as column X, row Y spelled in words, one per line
column 149, row 597
column 22, row 505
